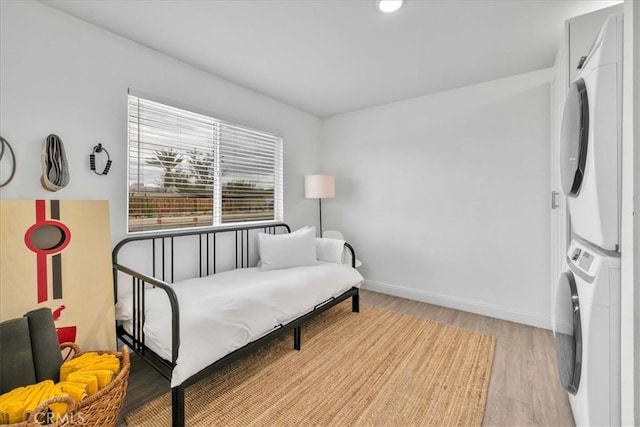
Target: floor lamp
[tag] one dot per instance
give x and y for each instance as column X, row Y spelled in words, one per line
column 320, row 187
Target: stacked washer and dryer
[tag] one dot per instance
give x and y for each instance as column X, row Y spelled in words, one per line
column 587, row 303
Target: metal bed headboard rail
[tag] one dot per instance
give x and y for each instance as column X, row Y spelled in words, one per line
column 207, row 243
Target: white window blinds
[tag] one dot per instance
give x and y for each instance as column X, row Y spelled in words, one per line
column 190, row 170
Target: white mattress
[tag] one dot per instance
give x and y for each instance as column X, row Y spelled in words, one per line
column 223, row 312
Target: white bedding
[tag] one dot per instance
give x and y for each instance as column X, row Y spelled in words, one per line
column 223, row 312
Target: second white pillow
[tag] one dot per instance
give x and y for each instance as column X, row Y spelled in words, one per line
column 287, row 250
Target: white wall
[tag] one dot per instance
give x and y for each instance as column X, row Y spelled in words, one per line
column 445, row 197
column 61, row 75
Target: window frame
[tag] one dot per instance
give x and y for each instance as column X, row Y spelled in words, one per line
column 217, row 196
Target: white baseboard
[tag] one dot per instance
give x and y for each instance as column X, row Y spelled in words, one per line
column 460, row 304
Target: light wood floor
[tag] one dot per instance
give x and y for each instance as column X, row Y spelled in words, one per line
column 524, row 388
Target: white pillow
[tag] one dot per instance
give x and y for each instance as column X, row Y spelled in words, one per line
column 287, row 250
column 124, row 308
column 330, row 250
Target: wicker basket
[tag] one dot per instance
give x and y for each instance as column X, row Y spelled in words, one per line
column 103, row 408
column 100, row 409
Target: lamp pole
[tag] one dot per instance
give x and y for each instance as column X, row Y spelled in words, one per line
column 320, row 205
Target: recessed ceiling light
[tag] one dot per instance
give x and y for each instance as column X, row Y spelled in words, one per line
column 388, row 6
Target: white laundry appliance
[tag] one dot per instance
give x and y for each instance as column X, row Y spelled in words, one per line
column 587, row 330
column 586, row 314
column 591, row 138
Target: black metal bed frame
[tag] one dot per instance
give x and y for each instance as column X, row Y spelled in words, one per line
column 206, row 247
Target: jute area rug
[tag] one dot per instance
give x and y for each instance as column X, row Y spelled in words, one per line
column 373, row 368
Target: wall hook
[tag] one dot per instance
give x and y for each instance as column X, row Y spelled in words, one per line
column 92, row 160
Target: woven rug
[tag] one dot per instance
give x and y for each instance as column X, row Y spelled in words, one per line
column 371, row 368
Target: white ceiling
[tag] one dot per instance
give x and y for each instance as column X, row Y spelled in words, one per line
column 332, row 56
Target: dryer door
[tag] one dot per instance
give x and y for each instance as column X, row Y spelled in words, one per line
column 574, row 138
column 568, row 331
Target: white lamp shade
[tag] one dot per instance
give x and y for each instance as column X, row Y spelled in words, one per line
column 319, row 186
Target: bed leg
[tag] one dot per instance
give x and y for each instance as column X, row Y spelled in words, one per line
column 297, row 337
column 177, row 406
column 355, row 303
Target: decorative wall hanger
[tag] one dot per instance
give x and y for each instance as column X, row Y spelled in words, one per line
column 92, row 160
column 55, row 169
column 4, row 146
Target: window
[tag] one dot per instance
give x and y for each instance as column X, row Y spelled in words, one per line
column 191, row 170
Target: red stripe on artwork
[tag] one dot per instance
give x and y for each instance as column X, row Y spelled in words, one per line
column 41, row 258
column 41, row 212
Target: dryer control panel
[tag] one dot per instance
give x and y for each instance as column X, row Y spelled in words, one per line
column 584, row 259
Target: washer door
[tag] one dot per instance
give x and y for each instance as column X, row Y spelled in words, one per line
column 568, row 331
column 574, row 138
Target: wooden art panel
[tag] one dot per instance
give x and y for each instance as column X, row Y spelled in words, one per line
column 57, row 254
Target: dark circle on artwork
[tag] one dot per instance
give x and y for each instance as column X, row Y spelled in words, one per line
column 48, row 237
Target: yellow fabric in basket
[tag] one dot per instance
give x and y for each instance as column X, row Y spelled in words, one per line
column 76, row 363
column 9, row 396
column 15, row 412
column 104, row 376
column 87, row 378
column 41, row 392
column 58, row 409
column 110, row 365
column 12, row 405
column 90, row 361
column 76, row 391
column 18, row 404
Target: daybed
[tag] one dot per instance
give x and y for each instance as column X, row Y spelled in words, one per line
column 193, row 327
